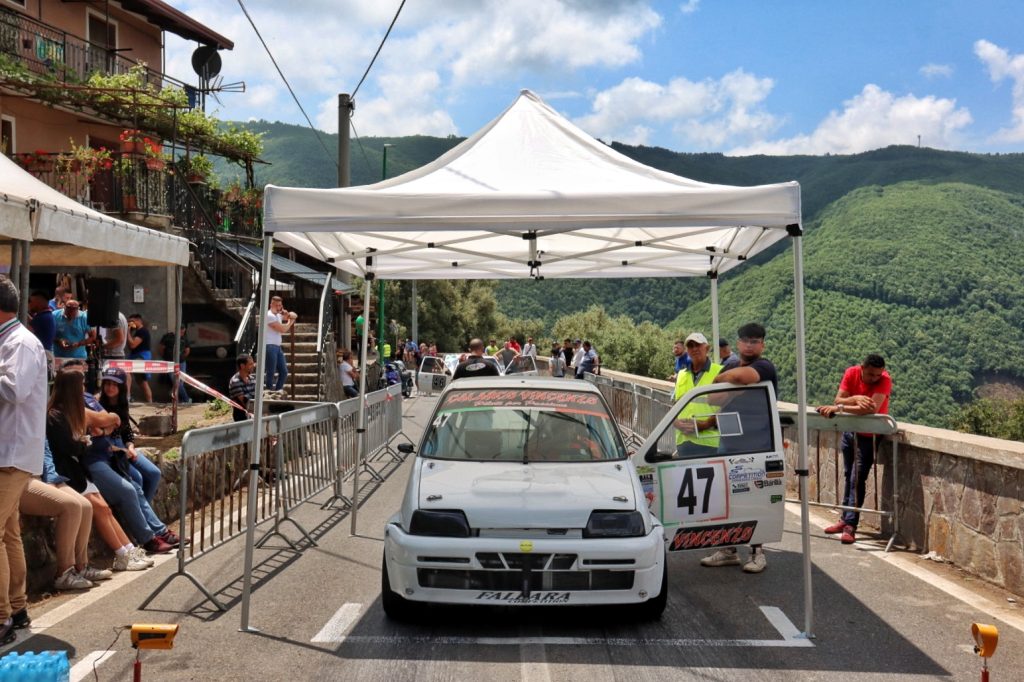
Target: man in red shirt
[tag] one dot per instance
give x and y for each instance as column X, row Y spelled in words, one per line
column 865, row 389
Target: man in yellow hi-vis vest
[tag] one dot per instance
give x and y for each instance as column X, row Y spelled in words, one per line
column 696, row 429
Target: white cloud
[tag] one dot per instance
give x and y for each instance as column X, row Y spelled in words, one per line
column 323, row 46
column 872, row 119
column 936, row 70
column 1002, row 65
column 704, row 114
column 689, row 7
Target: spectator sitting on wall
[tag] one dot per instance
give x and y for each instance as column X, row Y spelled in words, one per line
column 242, row 387
column 349, row 375
column 113, row 397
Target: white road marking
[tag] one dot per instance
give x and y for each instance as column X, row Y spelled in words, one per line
column 791, row 638
column 533, row 666
column 339, row 624
column 83, row 668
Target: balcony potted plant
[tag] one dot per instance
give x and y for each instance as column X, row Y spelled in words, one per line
column 153, row 153
column 197, row 169
column 124, row 170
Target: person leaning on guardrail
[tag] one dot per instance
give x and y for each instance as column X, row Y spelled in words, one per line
column 864, row 389
column 242, row 386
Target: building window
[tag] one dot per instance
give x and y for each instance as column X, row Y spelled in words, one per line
column 102, row 36
column 7, row 136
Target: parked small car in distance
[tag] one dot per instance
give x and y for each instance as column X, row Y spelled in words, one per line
column 522, row 494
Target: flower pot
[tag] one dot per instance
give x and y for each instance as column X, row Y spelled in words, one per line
column 154, row 164
column 131, row 147
column 196, row 179
column 131, row 202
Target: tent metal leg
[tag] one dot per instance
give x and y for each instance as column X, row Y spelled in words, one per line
column 257, row 422
column 801, row 392
column 714, row 318
column 361, row 429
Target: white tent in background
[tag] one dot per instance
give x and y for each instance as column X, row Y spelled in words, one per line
column 64, row 232
column 532, row 195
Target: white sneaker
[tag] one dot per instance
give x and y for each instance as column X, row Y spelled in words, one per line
column 127, row 562
column 140, row 555
column 757, row 561
column 70, row 580
column 723, row 557
column 95, row 574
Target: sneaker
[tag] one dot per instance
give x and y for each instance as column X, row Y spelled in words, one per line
column 836, row 527
column 848, row 537
column 139, row 554
column 128, row 562
column 723, row 557
column 157, row 546
column 7, row 632
column 21, row 619
column 756, row 563
column 95, row 574
column 171, row 538
column 70, row 580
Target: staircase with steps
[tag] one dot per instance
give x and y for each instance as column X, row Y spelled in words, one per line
column 303, row 363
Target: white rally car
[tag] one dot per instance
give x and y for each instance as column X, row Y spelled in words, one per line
column 522, row 493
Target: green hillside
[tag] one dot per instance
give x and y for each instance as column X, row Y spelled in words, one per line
column 926, row 275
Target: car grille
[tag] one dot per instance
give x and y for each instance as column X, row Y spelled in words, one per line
column 535, row 581
column 520, row 571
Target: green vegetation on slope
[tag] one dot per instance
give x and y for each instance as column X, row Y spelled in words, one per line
column 926, row 275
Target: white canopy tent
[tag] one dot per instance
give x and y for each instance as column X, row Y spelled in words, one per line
column 531, row 195
column 64, row 232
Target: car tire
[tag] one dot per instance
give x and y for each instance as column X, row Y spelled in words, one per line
column 395, row 606
column 655, row 606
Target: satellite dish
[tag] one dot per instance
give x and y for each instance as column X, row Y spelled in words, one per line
column 206, row 61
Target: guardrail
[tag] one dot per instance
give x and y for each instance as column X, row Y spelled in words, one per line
column 314, row 449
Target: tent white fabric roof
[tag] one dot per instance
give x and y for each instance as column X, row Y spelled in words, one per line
column 595, row 212
column 67, row 233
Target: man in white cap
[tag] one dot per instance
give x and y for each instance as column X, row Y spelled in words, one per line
column 696, row 432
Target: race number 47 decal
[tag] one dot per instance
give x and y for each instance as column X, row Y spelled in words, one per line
column 694, row 491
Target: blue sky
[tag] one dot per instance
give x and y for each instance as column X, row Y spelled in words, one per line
column 738, row 77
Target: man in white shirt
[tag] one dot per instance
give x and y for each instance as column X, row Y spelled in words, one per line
column 530, row 349
column 278, row 321
column 577, row 356
column 23, row 423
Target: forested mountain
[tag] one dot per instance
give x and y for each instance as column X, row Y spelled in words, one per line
column 926, row 275
column 913, row 253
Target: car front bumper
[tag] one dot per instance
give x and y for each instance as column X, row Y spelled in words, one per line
column 520, row 572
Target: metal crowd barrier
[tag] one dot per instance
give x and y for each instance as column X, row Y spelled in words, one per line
column 637, row 409
column 212, row 490
column 313, row 449
column 876, row 424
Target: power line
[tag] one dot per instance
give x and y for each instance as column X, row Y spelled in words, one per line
column 359, row 141
column 379, row 48
column 288, row 85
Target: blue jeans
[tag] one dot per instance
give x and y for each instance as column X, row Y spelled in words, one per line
column 127, row 498
column 858, row 458
column 182, row 393
column 146, row 475
column 275, row 364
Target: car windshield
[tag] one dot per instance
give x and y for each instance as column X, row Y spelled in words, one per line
column 522, row 424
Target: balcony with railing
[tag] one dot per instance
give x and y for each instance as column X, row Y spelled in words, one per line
column 51, row 52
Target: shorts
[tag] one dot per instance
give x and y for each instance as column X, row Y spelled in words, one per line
column 142, row 355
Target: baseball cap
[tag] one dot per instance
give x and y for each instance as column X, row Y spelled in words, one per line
column 722, row 343
column 696, row 337
column 113, row 374
column 577, row 341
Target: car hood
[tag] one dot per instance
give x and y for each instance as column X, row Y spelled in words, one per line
column 535, row 495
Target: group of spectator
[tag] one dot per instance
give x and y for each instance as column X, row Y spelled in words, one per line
column 70, row 455
column 62, row 326
column 573, row 358
column 864, row 390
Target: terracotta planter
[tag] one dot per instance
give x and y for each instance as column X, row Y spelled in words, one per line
column 131, row 202
column 131, row 147
column 154, row 164
column 196, row 179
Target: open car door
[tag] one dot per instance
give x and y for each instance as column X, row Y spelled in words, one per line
column 433, row 376
column 713, row 469
column 522, row 364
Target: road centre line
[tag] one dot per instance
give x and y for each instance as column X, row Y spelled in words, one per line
column 84, row 667
column 792, row 638
column 338, row 625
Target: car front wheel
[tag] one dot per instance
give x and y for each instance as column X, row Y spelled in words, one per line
column 655, row 606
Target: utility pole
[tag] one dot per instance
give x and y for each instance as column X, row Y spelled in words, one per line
column 345, row 107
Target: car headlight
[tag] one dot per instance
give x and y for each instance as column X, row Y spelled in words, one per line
column 614, row 524
column 448, row 523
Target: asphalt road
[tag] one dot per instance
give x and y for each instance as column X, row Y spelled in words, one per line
column 319, row 617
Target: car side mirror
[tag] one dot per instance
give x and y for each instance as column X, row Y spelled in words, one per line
column 406, row 448
column 653, row 456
